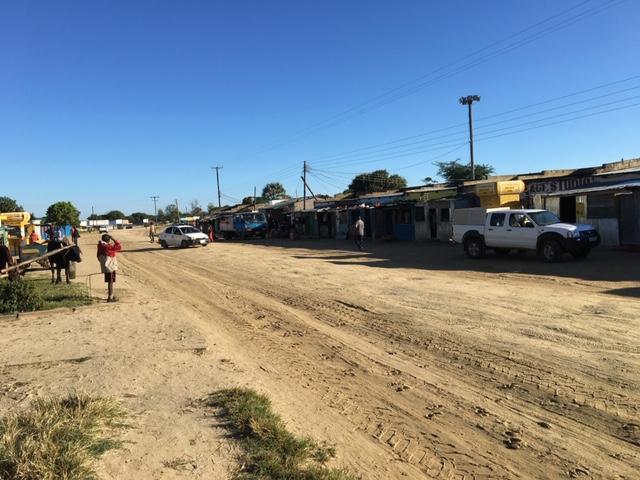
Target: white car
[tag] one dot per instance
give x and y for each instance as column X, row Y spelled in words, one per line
column 182, row 236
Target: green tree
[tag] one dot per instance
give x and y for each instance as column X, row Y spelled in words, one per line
column 161, row 215
column 249, row 200
column 454, row 170
column 211, row 208
column 137, row 217
column 8, row 204
column 196, row 209
column 63, row 213
column 273, row 191
column 171, row 213
column 377, row 181
column 114, row 215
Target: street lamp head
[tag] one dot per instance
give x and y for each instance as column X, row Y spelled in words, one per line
column 469, row 99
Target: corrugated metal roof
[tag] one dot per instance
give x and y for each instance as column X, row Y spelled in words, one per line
column 603, row 188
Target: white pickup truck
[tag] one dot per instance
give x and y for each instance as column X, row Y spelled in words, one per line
column 503, row 230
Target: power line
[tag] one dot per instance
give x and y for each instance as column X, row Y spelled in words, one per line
column 409, row 88
column 354, row 152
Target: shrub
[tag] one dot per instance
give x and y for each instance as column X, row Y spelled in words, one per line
column 19, row 296
column 58, row 438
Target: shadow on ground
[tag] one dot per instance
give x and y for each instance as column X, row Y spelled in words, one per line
column 604, row 264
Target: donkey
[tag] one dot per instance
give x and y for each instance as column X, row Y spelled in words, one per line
column 61, row 260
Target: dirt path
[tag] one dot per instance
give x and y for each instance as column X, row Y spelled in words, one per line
column 426, row 373
column 412, row 360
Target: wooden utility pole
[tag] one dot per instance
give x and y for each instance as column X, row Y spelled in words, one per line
column 177, row 210
column 304, row 185
column 217, row 169
column 155, row 206
column 254, row 198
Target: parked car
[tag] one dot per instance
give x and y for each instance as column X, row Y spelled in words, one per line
column 182, row 236
column 503, row 230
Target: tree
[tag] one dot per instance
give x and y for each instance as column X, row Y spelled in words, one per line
column 137, row 217
column 377, row 181
column 454, row 170
column 211, row 208
column 249, row 200
column 171, row 213
column 273, row 191
column 114, row 215
column 8, row 204
column 196, row 209
column 160, row 215
column 63, row 213
column 428, row 180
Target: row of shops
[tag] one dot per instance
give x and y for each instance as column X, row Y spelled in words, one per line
column 607, row 197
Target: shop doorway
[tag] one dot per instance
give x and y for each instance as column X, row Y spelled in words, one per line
column 433, row 224
column 629, row 232
column 568, row 209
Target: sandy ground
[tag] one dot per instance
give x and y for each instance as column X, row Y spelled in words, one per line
column 413, row 360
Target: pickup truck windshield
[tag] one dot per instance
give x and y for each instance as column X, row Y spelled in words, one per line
column 544, row 218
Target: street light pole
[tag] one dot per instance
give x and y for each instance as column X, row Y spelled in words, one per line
column 468, row 100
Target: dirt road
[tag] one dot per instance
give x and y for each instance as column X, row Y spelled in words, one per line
column 429, row 371
column 414, row 361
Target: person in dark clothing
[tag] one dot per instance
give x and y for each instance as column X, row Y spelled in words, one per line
column 6, row 259
column 75, row 235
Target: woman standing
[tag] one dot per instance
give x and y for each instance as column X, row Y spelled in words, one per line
column 107, row 249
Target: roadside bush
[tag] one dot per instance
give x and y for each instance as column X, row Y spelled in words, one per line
column 19, row 296
column 58, row 438
column 271, row 452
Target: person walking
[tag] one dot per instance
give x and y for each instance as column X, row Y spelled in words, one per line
column 211, row 232
column 359, row 232
column 107, row 249
column 152, row 232
column 75, row 235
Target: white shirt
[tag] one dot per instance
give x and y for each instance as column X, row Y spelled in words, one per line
column 359, row 227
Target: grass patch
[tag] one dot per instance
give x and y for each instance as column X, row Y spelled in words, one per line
column 58, row 439
column 32, row 294
column 270, row 452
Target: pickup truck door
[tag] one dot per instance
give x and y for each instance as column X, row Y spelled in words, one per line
column 521, row 232
column 494, row 231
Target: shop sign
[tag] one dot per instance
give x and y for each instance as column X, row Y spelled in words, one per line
column 559, row 185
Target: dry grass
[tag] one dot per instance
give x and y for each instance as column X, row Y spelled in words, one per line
column 58, row 439
column 270, row 451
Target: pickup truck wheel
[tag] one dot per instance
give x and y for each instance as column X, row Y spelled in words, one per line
column 475, row 247
column 163, row 244
column 581, row 253
column 501, row 252
column 551, row 251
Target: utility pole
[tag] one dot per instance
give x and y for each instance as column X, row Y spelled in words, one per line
column 155, row 206
column 217, row 169
column 304, row 185
column 178, row 211
column 310, row 191
column 254, row 198
column 468, row 100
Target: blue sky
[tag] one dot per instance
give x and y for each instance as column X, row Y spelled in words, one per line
column 107, row 103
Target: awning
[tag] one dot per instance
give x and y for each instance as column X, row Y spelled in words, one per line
column 602, row 188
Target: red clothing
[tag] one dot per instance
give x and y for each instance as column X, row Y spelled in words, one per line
column 108, row 249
